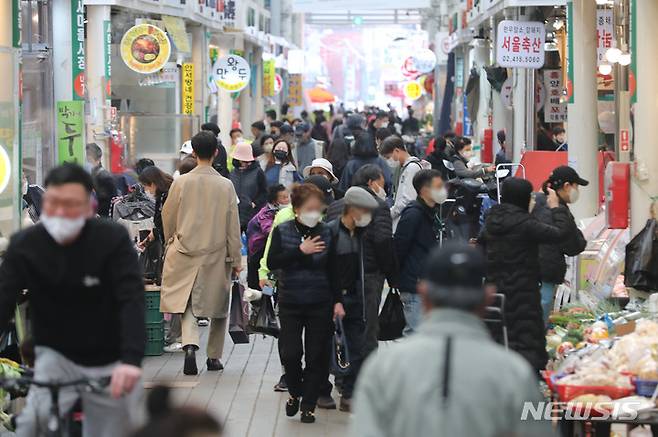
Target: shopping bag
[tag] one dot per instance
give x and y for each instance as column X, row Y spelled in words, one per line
column 152, row 261
column 237, row 322
column 641, row 268
column 391, row 317
column 340, row 355
column 263, row 320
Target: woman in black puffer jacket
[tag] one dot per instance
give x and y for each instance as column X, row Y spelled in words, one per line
column 566, row 182
column 511, row 237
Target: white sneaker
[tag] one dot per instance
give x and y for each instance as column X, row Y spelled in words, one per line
column 173, row 348
column 203, row 322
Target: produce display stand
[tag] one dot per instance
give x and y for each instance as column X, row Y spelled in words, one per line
column 154, row 321
column 602, row 428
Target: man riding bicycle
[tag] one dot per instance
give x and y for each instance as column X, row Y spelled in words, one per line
column 86, row 298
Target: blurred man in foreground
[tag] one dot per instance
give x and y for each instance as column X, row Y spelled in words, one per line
column 450, row 378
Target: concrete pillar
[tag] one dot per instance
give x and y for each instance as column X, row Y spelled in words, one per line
column 480, row 58
column 199, row 56
column 583, row 126
column 518, row 140
column 645, row 183
column 95, row 70
column 62, row 50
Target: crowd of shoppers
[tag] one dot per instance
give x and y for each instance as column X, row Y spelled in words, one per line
column 367, row 213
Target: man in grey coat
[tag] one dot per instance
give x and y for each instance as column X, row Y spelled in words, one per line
column 450, row 378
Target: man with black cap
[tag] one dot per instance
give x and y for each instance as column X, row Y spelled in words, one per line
column 566, row 182
column 512, row 236
column 304, row 146
column 450, row 378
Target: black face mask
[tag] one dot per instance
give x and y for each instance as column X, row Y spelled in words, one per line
column 237, row 164
column 280, row 155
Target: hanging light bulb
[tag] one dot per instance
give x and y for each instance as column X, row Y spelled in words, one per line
column 612, row 55
column 625, row 59
column 605, row 69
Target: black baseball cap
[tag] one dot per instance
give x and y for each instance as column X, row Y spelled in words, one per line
column 286, row 129
column 324, row 185
column 563, row 174
column 455, row 275
column 302, row 128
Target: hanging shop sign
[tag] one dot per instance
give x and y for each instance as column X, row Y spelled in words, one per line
column 409, row 69
column 107, row 56
column 295, row 90
column 520, row 44
column 555, row 109
column 269, row 77
column 78, row 49
column 70, row 144
column 278, row 84
column 413, row 90
column 5, row 169
column 424, row 61
column 604, row 34
column 187, row 97
column 176, row 28
column 231, row 73
column 145, row 48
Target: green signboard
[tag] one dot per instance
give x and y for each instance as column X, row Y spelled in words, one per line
column 70, row 125
column 107, row 38
column 16, row 23
column 78, row 49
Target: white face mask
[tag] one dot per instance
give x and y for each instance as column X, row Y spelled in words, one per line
column 63, row 230
column 393, row 163
column 439, row 195
column 467, row 154
column 309, row 219
column 381, row 193
column 574, row 195
column 364, row 220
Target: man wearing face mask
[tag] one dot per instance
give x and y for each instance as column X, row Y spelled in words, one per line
column 417, row 234
column 566, row 182
column 380, row 258
column 460, row 160
column 80, row 272
column 398, row 158
column 347, row 271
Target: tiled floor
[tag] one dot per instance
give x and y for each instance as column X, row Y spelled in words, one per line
column 241, row 396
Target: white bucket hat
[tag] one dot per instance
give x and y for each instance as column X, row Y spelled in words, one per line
column 186, row 148
column 323, row 164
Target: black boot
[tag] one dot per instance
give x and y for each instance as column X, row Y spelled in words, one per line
column 214, row 364
column 189, row 368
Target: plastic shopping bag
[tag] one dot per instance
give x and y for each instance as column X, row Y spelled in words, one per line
column 641, row 269
column 263, row 320
column 237, row 323
column 391, row 318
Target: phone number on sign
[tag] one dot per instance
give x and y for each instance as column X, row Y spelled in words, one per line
column 524, row 59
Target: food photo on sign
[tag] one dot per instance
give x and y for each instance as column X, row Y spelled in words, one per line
column 145, row 48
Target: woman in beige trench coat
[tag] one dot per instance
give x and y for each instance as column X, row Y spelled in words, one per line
column 202, row 229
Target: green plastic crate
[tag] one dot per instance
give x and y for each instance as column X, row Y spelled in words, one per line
column 152, row 301
column 154, row 338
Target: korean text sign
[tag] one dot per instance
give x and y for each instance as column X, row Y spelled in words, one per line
column 188, row 89
column 520, row 44
column 604, row 34
column 555, row 110
column 231, row 73
column 78, row 49
column 70, row 141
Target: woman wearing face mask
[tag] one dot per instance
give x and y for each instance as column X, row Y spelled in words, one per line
column 259, row 228
column 281, row 168
column 347, row 270
column 463, row 154
column 299, row 251
column 566, row 182
column 156, row 185
column 267, row 146
column 249, row 183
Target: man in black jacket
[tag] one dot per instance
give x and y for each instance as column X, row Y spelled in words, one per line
column 220, row 161
column 512, row 237
column 418, row 232
column 566, row 182
column 87, row 299
column 380, row 258
column 104, row 184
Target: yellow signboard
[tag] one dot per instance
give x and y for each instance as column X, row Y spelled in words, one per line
column 145, row 48
column 269, row 78
column 412, row 90
column 188, row 89
column 295, row 90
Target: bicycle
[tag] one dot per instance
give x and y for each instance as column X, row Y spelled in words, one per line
column 57, row 425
